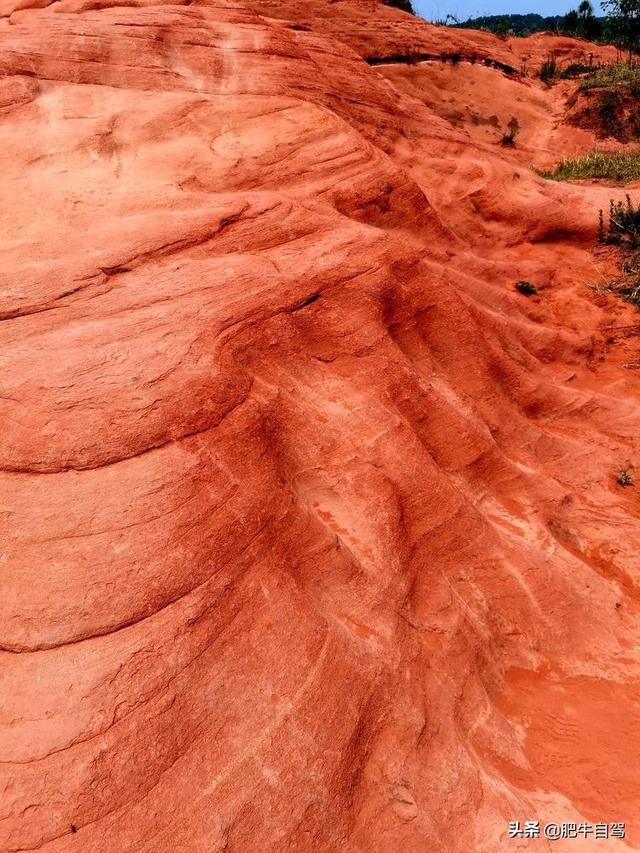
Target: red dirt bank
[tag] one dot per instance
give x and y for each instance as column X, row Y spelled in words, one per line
column 312, row 540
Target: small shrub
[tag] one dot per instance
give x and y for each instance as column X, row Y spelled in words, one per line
column 503, row 29
column 526, row 288
column 509, row 138
column 548, row 70
column 625, row 478
column 622, row 228
column 627, row 287
column 576, row 69
column 447, row 21
column 623, row 224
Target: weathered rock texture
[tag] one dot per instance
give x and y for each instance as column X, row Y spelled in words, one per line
column 311, row 538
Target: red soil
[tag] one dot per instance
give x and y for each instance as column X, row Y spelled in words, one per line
column 311, row 533
column 610, row 112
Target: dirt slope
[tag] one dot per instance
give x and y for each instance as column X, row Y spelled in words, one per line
column 311, row 533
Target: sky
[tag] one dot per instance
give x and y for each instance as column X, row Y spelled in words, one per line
column 463, row 9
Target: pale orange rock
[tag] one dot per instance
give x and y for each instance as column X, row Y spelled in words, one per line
column 311, row 539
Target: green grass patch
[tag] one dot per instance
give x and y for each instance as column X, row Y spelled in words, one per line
column 618, row 166
column 616, row 74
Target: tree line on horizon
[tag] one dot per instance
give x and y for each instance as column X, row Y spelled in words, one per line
column 620, row 26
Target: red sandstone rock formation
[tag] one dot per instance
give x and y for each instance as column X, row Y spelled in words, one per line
column 311, row 535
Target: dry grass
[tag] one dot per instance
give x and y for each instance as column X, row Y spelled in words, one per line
column 626, row 286
column 616, row 74
column 619, row 167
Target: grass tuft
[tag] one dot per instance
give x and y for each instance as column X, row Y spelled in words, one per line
column 625, row 478
column 616, row 74
column 548, row 71
column 618, row 166
column 622, row 228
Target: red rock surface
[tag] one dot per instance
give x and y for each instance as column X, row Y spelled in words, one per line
column 311, row 533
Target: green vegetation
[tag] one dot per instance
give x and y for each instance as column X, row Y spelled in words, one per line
column 622, row 226
column 576, row 69
column 579, row 22
column 583, row 23
column 502, row 28
column 616, row 74
column 518, row 25
column 628, row 286
column 612, row 106
column 618, row 166
column 548, row 70
column 612, row 103
column 624, row 23
column 620, row 25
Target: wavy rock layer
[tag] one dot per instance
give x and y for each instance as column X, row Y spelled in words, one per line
column 311, row 534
